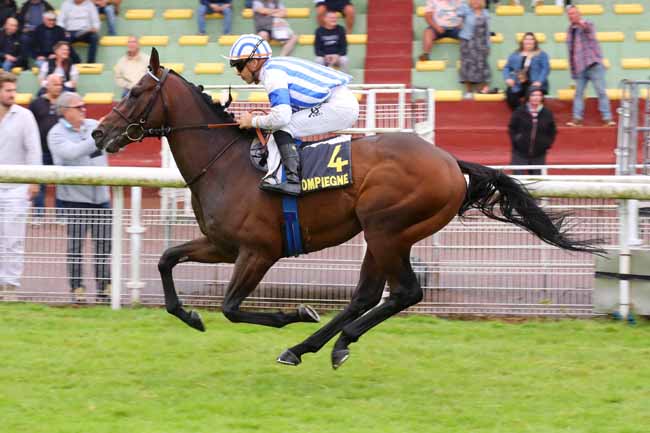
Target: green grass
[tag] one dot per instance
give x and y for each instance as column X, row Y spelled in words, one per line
column 93, row 370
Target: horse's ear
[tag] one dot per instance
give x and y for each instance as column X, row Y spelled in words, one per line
column 154, row 61
column 227, row 104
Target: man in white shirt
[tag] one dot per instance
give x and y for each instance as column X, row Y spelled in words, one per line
column 81, row 22
column 20, row 143
column 131, row 66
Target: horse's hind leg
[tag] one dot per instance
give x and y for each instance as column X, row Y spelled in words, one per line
column 197, row 250
column 366, row 295
column 404, row 292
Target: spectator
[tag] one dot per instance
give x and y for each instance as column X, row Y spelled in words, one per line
column 343, row 6
column 224, row 7
column 30, row 16
column 528, row 66
column 61, row 65
column 131, row 66
column 10, row 45
column 270, row 24
column 19, row 144
column 532, row 131
column 586, row 61
column 7, row 9
column 47, row 35
column 330, row 43
column 444, row 22
column 475, row 46
column 44, row 111
column 80, row 20
column 85, row 207
column 105, row 7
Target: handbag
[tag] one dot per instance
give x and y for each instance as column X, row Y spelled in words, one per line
column 281, row 30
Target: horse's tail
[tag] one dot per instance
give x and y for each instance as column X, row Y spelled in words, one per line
column 490, row 189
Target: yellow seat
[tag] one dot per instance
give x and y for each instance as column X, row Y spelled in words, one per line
column 209, row 68
column 16, row 70
column 420, row 11
column 636, row 63
column 357, row 39
column 258, row 97
column 559, row 64
column 214, row 16
column 497, row 38
column 489, row 97
column 114, row 41
column 23, row 98
column 431, row 65
column 291, row 13
column 151, row 41
column 306, row 39
column 509, row 11
column 643, row 36
column 193, row 40
column 628, row 9
column 178, row 67
column 541, row 37
column 600, row 36
column 448, row 95
column 501, row 63
column 227, row 39
column 98, row 98
column 591, row 9
column 447, row 41
column 90, row 68
column 80, row 44
column 606, row 63
column 566, row 94
column 139, row 14
column 546, row 10
column 178, row 14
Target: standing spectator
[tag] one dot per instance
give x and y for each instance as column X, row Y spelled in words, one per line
column 7, row 9
column 19, row 144
column 343, row 6
column 224, row 7
column 30, row 16
column 270, row 24
column 85, row 207
column 131, row 66
column 44, row 111
column 532, row 131
column 475, row 46
column 444, row 22
column 10, row 45
column 47, row 35
column 105, row 7
column 586, row 60
column 528, row 66
column 80, row 20
column 60, row 64
column 330, row 43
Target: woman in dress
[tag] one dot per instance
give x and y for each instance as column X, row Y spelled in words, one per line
column 475, row 47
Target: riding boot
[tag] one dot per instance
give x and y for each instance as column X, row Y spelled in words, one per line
column 290, row 161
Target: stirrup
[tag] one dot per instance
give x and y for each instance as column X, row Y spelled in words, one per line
column 282, row 188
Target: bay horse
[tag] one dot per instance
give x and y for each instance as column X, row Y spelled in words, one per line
column 404, row 190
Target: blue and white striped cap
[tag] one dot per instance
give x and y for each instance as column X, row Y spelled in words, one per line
column 247, row 44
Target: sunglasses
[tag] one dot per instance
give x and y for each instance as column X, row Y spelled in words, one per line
column 78, row 107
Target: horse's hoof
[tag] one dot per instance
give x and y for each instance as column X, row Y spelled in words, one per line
column 308, row 314
column 195, row 321
column 289, row 358
column 339, row 357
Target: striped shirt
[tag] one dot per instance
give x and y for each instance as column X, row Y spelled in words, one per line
column 584, row 49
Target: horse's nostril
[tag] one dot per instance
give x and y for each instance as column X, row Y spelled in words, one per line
column 97, row 134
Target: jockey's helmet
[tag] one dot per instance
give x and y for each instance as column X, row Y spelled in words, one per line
column 248, row 47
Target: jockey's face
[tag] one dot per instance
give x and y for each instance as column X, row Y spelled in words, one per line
column 250, row 72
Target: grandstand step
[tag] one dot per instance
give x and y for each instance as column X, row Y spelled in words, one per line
column 394, row 61
column 388, row 75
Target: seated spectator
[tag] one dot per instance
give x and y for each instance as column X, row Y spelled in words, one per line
column 475, row 47
column 105, row 7
column 131, row 66
column 46, row 36
column 330, row 43
column 44, row 111
column 80, row 20
column 60, row 65
column 86, row 207
column 532, row 131
column 528, row 66
column 7, row 9
column 30, row 16
column 342, row 6
column 444, row 22
column 10, row 45
column 224, row 7
column 270, row 24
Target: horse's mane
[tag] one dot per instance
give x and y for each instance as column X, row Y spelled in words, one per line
column 216, row 107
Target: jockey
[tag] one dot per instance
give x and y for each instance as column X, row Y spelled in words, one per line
column 306, row 99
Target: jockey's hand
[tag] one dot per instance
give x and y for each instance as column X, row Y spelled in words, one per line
column 246, row 120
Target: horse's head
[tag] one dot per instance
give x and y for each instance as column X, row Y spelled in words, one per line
column 143, row 108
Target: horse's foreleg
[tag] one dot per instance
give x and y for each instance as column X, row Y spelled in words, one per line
column 249, row 270
column 366, row 295
column 197, row 250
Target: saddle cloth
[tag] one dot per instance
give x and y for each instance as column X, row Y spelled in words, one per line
column 325, row 164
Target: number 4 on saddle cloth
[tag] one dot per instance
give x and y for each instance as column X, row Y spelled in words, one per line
column 324, row 164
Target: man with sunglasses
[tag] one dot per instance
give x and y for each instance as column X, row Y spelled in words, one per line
column 306, row 99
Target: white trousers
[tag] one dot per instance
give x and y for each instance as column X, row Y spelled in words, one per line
column 13, row 217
